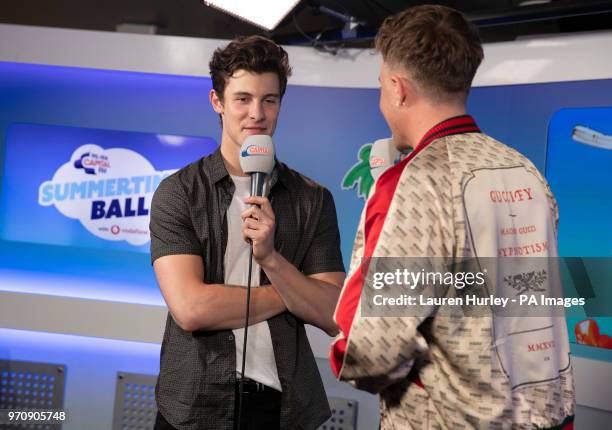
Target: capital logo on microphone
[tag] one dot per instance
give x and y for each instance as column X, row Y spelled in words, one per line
column 377, row 161
column 255, row 150
column 359, row 176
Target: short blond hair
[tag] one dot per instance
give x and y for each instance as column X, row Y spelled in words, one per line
column 436, row 45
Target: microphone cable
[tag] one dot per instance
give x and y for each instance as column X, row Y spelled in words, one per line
column 246, row 332
column 258, row 167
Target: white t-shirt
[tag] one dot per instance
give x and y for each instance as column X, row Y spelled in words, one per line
column 260, row 363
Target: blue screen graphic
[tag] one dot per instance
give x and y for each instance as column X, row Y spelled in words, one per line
column 100, row 197
column 580, row 173
column 320, row 132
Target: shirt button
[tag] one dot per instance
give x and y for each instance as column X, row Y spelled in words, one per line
column 231, row 337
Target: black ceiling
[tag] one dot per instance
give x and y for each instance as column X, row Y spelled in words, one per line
column 498, row 20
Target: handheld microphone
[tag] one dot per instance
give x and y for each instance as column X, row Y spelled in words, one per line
column 383, row 155
column 257, row 159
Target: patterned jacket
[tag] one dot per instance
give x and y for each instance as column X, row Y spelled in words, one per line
column 460, row 194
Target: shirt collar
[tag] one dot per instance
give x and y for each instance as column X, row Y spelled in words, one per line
column 455, row 125
column 216, row 167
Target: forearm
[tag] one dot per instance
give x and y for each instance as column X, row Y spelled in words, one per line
column 220, row 307
column 396, row 338
column 311, row 300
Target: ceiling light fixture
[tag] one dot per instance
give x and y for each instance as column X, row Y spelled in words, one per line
column 266, row 16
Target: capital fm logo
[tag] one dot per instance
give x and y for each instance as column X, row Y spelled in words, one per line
column 359, row 176
column 377, row 162
column 255, row 150
column 92, row 163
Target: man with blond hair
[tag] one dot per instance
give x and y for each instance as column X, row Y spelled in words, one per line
column 459, row 195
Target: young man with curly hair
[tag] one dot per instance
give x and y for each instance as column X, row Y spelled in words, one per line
column 201, row 218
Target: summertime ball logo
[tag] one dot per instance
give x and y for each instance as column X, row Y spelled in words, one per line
column 108, row 190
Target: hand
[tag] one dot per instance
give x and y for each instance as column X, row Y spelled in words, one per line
column 259, row 226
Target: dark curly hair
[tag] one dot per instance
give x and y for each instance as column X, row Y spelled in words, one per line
column 255, row 54
column 437, row 45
